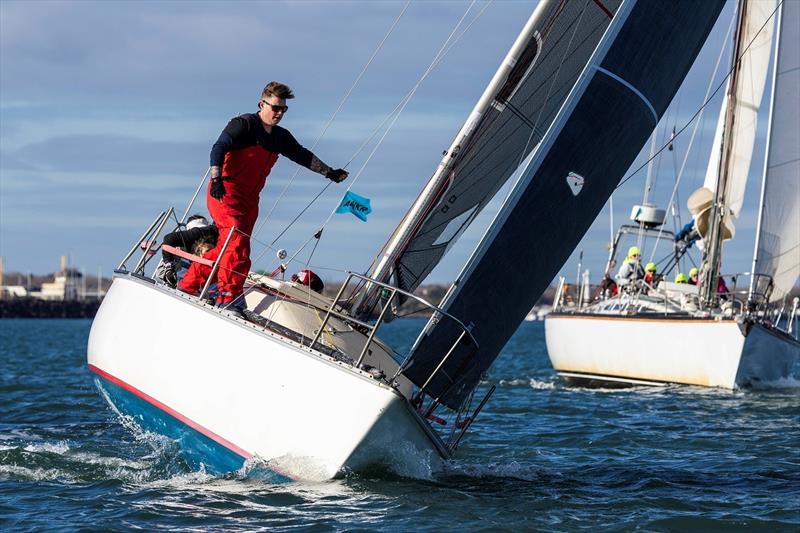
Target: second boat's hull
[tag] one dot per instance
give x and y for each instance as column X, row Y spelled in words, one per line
column 643, row 350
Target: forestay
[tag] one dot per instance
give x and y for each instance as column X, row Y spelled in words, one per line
column 506, row 125
column 616, row 103
column 778, row 242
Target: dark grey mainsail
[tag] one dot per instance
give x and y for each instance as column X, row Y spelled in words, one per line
column 506, row 125
column 615, row 105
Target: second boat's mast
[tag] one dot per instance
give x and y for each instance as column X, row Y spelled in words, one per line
column 713, row 250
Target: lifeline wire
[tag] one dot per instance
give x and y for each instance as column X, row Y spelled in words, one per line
column 724, row 80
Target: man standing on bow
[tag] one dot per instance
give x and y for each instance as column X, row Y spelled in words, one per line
column 241, row 160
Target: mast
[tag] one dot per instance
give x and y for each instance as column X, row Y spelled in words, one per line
column 713, row 251
column 440, row 180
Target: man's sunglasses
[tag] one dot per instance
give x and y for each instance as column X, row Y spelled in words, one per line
column 276, row 108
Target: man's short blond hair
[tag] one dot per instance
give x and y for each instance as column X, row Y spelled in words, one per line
column 276, row 88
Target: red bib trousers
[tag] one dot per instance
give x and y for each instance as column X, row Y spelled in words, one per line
column 246, row 172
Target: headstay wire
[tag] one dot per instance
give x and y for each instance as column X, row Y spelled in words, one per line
column 335, row 113
column 705, row 103
column 391, row 118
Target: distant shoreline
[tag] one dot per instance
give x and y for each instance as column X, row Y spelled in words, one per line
column 36, row 308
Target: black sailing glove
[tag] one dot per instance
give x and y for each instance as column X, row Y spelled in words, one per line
column 217, row 188
column 338, row 175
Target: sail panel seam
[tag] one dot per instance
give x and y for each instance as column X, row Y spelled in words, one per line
column 633, row 89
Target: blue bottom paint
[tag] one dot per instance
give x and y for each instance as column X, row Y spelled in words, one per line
column 196, row 448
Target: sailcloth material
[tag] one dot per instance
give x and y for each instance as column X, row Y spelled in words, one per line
column 778, row 241
column 758, row 31
column 506, row 126
column 616, row 103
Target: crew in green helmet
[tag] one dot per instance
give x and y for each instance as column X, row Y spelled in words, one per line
column 694, row 276
column 650, row 273
column 681, row 278
column 631, row 269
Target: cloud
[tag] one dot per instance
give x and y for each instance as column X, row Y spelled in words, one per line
column 117, row 154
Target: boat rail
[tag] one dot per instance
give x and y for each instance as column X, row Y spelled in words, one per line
column 463, row 419
column 146, row 239
column 372, row 329
column 738, row 299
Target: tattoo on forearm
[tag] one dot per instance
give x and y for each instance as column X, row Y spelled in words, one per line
column 318, row 166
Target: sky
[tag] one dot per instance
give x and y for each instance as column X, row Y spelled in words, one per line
column 108, row 110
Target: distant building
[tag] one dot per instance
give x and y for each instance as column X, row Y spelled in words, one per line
column 68, row 285
column 13, row 291
column 65, row 286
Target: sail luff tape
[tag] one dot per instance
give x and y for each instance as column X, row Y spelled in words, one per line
column 633, row 89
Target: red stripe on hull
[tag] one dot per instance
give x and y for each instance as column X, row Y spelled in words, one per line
column 191, row 423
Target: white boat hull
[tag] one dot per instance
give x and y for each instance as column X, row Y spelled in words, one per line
column 706, row 352
column 232, row 391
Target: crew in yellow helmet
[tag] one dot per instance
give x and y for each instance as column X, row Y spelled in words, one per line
column 694, row 276
column 631, row 269
column 681, row 278
column 650, row 273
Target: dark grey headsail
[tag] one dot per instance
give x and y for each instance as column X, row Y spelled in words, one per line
column 615, row 105
column 506, row 125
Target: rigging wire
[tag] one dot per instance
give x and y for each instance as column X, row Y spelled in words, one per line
column 443, row 50
column 705, row 103
column 335, row 113
column 707, row 99
column 391, row 118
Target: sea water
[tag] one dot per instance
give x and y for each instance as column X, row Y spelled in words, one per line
column 541, row 456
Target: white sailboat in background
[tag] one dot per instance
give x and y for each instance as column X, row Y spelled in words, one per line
column 680, row 333
column 304, row 385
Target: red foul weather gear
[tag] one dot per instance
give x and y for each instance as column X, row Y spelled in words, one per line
column 246, row 152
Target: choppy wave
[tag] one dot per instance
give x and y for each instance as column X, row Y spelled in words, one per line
column 510, row 470
column 533, row 383
column 59, row 448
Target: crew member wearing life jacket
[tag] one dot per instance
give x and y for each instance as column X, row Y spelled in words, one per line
column 650, row 274
column 241, row 160
column 694, row 276
column 631, row 269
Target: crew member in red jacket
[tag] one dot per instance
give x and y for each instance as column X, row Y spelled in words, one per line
column 241, row 160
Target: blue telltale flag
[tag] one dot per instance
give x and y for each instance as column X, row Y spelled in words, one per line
column 353, row 203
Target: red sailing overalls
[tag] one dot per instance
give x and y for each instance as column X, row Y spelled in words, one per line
column 247, row 170
column 249, row 155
